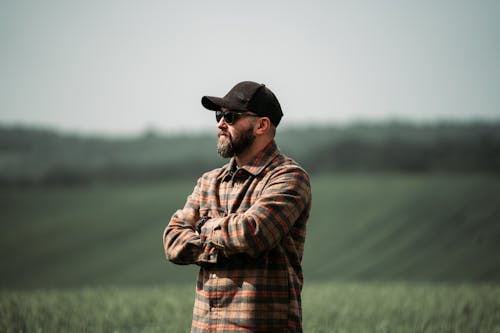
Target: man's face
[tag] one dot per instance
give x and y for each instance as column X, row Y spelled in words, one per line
column 236, row 138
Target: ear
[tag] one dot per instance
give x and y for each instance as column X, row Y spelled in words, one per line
column 263, row 125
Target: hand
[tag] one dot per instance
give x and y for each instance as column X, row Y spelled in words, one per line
column 189, row 215
column 200, row 223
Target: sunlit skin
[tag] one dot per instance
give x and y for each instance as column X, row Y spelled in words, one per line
column 262, row 129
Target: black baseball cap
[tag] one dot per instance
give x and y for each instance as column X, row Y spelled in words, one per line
column 247, row 96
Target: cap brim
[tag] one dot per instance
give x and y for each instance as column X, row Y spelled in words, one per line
column 213, row 103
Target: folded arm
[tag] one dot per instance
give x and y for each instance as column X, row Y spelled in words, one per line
column 181, row 242
column 265, row 223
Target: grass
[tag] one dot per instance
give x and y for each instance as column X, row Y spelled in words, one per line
column 401, row 307
column 125, row 309
column 327, row 306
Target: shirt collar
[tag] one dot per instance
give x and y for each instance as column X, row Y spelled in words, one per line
column 254, row 167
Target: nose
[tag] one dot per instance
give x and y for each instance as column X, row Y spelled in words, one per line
column 222, row 123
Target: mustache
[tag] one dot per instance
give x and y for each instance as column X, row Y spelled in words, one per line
column 220, row 132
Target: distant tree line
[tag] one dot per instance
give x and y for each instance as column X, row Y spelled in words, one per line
column 31, row 156
column 480, row 154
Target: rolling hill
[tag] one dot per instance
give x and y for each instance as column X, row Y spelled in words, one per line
column 384, row 226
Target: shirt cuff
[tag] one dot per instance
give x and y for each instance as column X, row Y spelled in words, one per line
column 212, row 247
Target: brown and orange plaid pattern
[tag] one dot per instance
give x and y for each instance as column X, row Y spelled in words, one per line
column 250, row 249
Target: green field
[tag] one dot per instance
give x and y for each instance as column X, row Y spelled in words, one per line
column 328, row 307
column 384, row 253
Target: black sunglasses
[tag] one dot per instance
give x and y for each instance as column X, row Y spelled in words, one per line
column 230, row 117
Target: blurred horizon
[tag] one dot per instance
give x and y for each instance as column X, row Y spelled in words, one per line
column 211, row 128
column 45, row 157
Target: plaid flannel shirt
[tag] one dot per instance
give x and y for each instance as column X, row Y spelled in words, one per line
column 250, row 248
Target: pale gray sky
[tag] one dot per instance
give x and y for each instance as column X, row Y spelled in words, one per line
column 121, row 66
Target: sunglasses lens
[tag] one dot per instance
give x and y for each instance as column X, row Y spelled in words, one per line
column 218, row 116
column 228, row 116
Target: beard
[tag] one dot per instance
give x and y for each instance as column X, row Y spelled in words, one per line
column 235, row 146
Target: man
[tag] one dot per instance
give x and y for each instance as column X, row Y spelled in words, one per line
column 245, row 223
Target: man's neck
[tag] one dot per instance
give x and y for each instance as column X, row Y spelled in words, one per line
column 249, row 154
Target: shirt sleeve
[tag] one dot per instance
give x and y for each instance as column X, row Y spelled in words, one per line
column 264, row 224
column 181, row 242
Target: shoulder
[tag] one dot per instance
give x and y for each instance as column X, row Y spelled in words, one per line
column 288, row 170
column 286, row 176
column 283, row 163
